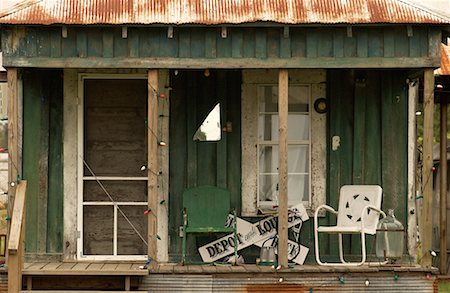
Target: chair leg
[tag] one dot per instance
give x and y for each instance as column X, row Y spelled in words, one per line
column 363, row 248
column 341, row 249
column 316, row 245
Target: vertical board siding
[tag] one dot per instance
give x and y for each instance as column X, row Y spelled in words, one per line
column 55, row 168
column 368, row 111
column 55, row 43
column 194, row 163
column 42, row 164
column 207, row 42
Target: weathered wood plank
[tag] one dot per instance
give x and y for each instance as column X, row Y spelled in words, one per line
column 43, row 150
column 81, row 266
column 237, row 44
column 31, row 42
column 285, row 47
column 51, row 266
column 224, row 46
column 249, row 44
column 94, row 42
column 191, row 120
column 338, row 43
column 325, row 44
column 233, row 115
column 211, row 44
column 372, row 156
column 415, row 44
column 427, row 173
column 42, row 41
column 109, row 267
column 197, row 43
column 229, row 63
column 401, row 45
column 120, row 44
column 362, row 43
column 94, row 267
column 298, row 42
column 221, row 155
column 359, row 131
column 133, row 42
column 184, row 43
column 434, row 46
column 312, row 39
column 108, row 44
column 155, row 47
column 177, row 154
column 31, row 155
column 55, row 206
column 283, row 84
column 389, row 42
column 69, row 44
column 443, row 267
column 55, row 43
column 260, row 43
column 152, row 152
column 273, row 43
column 375, row 43
column 82, row 43
column 13, row 135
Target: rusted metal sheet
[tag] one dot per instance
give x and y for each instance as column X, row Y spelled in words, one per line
column 289, row 282
column 445, row 61
column 215, row 12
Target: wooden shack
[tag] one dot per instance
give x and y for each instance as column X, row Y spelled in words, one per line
column 106, row 96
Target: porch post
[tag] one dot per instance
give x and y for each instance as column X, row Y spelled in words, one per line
column 13, row 150
column 152, row 163
column 427, row 172
column 283, row 84
column 443, row 188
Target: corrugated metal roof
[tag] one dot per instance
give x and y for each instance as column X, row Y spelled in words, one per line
column 445, row 61
column 217, row 12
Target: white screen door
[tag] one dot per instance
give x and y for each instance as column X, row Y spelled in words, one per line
column 112, row 149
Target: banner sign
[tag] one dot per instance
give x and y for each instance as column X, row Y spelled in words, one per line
column 256, row 233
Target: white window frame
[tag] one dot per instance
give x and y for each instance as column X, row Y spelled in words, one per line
column 262, row 143
column 81, row 178
column 251, row 79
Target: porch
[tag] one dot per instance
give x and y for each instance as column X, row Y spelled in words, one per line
column 131, row 277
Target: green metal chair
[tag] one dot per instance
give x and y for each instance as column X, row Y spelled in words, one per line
column 205, row 211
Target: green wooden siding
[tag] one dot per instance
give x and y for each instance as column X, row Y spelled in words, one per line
column 368, row 111
column 195, row 163
column 42, row 160
column 200, row 47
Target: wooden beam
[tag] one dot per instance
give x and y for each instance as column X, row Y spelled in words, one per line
column 427, row 172
column 443, row 189
column 13, row 145
column 16, row 240
column 152, row 163
column 283, row 84
column 232, row 63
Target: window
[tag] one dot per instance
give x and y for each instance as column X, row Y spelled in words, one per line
column 299, row 161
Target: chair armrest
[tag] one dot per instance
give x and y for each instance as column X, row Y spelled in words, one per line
column 373, row 208
column 316, row 213
column 325, row 207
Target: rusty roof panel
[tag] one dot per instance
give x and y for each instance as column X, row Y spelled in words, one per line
column 216, row 12
column 445, row 61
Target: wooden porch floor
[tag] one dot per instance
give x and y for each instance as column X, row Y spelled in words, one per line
column 133, row 269
column 84, row 268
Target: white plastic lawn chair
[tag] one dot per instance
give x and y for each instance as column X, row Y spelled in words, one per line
column 359, row 212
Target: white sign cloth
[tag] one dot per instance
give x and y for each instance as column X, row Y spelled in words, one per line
column 256, row 233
